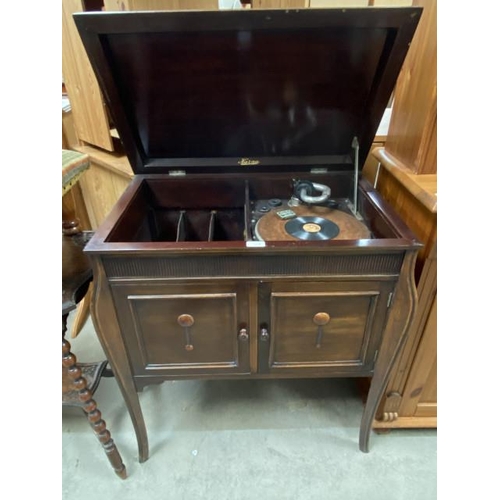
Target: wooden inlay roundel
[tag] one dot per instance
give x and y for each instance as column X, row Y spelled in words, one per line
column 321, row 318
column 185, row 320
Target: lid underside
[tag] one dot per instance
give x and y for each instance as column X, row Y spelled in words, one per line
column 267, row 90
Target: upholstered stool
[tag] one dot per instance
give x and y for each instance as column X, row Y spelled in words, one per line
column 74, row 164
column 79, row 381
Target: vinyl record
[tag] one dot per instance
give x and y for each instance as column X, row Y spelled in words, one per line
column 312, row 228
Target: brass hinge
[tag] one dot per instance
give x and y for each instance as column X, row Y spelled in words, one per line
column 389, row 299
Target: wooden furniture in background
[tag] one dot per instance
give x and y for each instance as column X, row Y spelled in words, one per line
column 279, row 4
column 390, row 3
column 322, row 4
column 411, row 396
column 104, row 183
column 412, row 137
column 379, row 140
column 73, row 203
column 114, row 5
column 89, row 114
column 407, row 179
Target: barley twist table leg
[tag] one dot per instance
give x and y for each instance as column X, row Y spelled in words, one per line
column 90, row 406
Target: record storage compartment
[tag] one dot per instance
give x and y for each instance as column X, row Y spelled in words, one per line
column 196, row 211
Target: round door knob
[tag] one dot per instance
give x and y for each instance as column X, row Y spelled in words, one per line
column 264, row 334
column 185, row 320
column 321, row 318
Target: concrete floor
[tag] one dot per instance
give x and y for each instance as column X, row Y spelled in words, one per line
column 238, row 440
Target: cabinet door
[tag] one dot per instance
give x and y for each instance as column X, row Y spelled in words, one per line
column 323, row 328
column 184, row 329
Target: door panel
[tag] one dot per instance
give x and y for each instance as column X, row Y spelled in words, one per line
column 326, row 325
column 184, row 328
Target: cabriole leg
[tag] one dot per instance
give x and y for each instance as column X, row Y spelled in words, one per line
column 398, row 323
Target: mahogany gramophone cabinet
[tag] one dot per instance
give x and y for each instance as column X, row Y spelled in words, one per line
column 247, row 244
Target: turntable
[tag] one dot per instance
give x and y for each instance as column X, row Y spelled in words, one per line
column 306, row 217
column 247, row 244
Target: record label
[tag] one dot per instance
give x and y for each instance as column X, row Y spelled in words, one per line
column 310, row 227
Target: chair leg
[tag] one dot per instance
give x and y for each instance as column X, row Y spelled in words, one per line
column 90, row 406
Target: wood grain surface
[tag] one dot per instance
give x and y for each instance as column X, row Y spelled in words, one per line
column 279, row 4
column 101, row 189
column 90, row 118
column 116, row 162
column 422, row 186
column 412, row 136
column 113, row 5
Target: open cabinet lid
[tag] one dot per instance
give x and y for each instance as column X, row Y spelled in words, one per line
column 266, row 90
